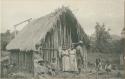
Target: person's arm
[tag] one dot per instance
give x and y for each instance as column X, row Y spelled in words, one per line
column 81, row 51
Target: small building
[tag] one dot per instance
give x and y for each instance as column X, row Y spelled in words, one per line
column 45, row 35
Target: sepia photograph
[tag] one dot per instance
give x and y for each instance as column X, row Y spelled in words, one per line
column 62, row 39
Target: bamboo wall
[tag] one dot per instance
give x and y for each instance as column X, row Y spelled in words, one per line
column 22, row 61
column 4, row 68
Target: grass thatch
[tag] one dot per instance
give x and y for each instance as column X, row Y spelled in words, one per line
column 37, row 29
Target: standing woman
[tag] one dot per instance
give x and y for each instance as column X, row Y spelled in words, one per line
column 73, row 61
column 65, row 60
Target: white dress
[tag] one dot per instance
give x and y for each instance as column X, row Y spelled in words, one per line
column 65, row 60
column 73, row 61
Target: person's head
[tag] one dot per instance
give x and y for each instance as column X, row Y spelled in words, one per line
column 64, row 47
column 80, row 43
column 72, row 46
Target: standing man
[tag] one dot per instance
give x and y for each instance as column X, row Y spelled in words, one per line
column 81, row 55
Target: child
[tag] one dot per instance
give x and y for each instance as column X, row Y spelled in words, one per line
column 53, row 66
column 40, row 69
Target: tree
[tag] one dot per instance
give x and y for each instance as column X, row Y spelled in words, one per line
column 5, row 39
column 102, row 38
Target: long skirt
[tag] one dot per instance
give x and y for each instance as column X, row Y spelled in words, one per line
column 73, row 63
column 66, row 63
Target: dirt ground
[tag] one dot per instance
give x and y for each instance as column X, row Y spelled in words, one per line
column 84, row 75
column 87, row 75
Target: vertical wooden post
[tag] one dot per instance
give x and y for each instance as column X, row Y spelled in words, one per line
column 70, row 37
column 65, row 35
column 53, row 43
column 56, row 42
column 32, row 63
column 45, row 54
column 25, row 60
column 49, row 40
column 60, row 43
column 49, row 52
column 60, row 35
column 50, row 44
column 19, row 60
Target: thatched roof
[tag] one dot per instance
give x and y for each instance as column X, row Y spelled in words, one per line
column 37, row 29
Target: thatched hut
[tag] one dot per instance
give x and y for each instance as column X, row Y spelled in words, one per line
column 45, row 35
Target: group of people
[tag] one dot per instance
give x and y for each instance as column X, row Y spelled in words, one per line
column 70, row 59
column 100, row 65
column 73, row 59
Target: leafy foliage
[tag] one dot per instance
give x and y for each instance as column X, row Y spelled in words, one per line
column 102, row 37
column 104, row 41
column 5, row 39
